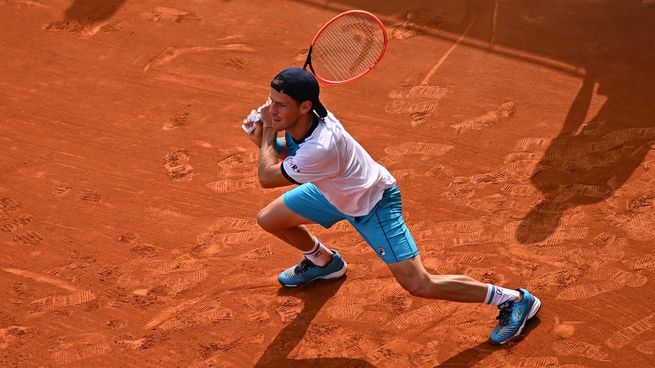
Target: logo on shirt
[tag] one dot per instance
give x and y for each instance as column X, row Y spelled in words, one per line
column 294, row 167
column 381, row 251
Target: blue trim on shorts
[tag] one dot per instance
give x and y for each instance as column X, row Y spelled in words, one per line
column 383, row 228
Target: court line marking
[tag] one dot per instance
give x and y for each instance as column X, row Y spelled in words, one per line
column 443, row 58
column 41, row 278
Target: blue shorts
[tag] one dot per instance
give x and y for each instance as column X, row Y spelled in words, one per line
column 383, row 228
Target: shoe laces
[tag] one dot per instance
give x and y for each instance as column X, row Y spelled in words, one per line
column 505, row 314
column 303, row 266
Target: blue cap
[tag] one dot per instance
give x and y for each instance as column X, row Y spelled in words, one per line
column 300, row 85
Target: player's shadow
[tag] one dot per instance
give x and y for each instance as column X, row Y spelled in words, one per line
column 594, row 156
column 470, row 357
column 314, row 297
column 609, row 47
column 93, row 10
column 474, row 355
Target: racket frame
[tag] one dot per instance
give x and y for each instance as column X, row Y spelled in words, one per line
column 308, row 60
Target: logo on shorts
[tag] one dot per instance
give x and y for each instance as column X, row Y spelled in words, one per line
column 381, row 251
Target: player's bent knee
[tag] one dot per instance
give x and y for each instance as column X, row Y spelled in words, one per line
column 270, row 222
column 265, row 221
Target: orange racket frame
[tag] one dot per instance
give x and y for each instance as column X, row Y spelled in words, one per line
column 308, row 61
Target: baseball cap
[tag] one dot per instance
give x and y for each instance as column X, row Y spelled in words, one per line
column 301, row 85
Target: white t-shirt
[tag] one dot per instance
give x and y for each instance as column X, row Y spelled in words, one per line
column 332, row 160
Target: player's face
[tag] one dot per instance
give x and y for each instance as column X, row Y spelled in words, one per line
column 284, row 110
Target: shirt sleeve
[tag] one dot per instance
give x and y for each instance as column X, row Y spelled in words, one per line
column 311, row 163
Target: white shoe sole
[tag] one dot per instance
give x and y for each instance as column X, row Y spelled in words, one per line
column 536, row 306
column 337, row 274
column 333, row 275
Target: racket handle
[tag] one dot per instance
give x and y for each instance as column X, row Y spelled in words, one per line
column 254, row 117
column 246, row 129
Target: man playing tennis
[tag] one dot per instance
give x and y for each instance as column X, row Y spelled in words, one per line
column 338, row 180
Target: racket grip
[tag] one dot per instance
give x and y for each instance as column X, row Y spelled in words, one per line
column 254, row 117
column 246, row 129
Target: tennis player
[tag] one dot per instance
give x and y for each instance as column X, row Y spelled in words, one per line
column 338, row 180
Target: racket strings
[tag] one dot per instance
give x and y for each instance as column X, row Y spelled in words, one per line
column 348, row 47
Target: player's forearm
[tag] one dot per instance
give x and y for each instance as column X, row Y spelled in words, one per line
column 267, row 165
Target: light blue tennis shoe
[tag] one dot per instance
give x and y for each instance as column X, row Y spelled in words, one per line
column 513, row 316
column 306, row 272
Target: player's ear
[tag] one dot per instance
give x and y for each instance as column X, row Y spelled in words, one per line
column 305, row 106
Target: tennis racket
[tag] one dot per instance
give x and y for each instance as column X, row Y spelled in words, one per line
column 346, row 48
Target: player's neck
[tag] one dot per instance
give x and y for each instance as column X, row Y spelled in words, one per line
column 303, row 127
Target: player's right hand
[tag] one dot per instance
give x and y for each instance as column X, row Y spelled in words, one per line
column 265, row 114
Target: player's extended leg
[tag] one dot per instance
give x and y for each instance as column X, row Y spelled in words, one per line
column 413, row 277
column 385, row 230
column 516, row 306
column 318, row 263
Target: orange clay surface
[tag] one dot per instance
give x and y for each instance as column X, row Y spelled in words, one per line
column 521, row 134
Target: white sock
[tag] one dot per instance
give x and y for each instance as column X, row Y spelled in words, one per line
column 319, row 255
column 497, row 295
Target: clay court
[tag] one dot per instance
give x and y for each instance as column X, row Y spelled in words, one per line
column 521, row 133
